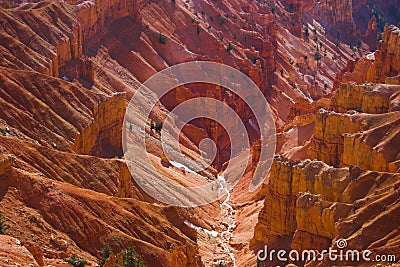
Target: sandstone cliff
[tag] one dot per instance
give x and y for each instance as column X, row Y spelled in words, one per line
column 342, row 178
column 40, row 37
column 380, row 67
column 310, row 204
column 62, row 184
column 103, row 137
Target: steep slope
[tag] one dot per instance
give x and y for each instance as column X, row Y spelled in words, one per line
column 350, row 187
column 68, row 68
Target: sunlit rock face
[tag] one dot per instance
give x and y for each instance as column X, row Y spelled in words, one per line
column 69, row 68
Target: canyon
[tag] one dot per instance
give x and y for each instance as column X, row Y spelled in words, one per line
column 68, row 70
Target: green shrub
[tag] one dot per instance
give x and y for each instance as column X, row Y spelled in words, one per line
column 221, row 20
column 162, row 39
column 131, row 259
column 74, row 261
column 229, row 47
column 220, row 265
column 105, row 253
column 3, row 132
column 291, row 7
column 306, row 31
column 156, row 125
column 317, row 56
column 359, row 43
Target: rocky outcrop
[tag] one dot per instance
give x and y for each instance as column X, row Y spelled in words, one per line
column 63, row 134
column 310, row 204
column 5, row 163
column 327, row 141
column 13, row 253
column 374, row 149
column 39, row 36
column 387, row 56
column 94, row 15
column 75, row 216
column 382, row 65
column 366, row 98
column 335, row 15
column 358, row 139
column 103, row 137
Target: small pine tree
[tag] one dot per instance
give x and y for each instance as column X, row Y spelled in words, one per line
column 74, row 261
column 158, row 126
column 221, row 20
column 359, row 43
column 162, row 39
column 131, row 259
column 3, row 226
column 317, row 56
column 306, row 31
column 105, row 253
column 229, row 47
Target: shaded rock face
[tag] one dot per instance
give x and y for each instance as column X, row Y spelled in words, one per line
column 67, row 69
column 380, row 67
column 383, row 11
column 103, row 136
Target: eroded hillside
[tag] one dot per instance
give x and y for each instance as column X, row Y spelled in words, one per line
column 69, row 68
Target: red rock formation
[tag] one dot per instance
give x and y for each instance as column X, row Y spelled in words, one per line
column 310, row 204
column 13, row 253
column 103, row 136
column 39, row 37
column 58, row 132
column 382, row 65
column 387, row 56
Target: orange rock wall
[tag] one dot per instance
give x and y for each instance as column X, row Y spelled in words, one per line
column 103, row 137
